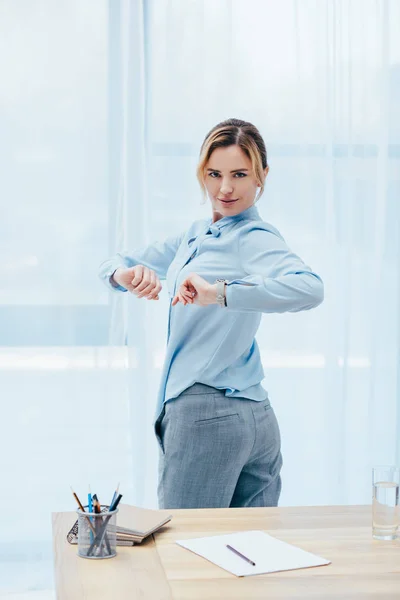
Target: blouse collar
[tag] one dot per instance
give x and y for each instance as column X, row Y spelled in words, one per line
column 249, row 213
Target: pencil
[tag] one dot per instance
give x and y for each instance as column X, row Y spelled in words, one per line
column 115, row 495
column 116, row 502
column 83, row 510
column 97, row 510
column 241, row 555
column 78, row 501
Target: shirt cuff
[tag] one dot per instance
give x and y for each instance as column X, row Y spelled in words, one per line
column 233, row 294
column 110, row 283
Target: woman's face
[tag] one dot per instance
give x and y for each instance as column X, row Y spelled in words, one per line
column 230, row 182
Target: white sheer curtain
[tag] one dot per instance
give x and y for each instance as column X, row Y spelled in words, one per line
column 63, row 390
column 103, row 111
column 321, row 81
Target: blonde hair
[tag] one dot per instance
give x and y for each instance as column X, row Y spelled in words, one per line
column 234, row 132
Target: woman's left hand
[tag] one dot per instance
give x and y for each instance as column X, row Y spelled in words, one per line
column 196, row 290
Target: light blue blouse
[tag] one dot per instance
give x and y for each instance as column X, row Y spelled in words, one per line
column 213, row 345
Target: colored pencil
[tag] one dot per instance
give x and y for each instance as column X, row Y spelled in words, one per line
column 82, row 509
column 115, row 495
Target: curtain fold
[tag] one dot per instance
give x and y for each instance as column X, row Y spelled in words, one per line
column 129, row 209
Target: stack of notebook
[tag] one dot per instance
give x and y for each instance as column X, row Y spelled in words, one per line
column 133, row 525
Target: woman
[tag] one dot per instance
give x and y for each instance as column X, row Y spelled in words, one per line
column 218, row 435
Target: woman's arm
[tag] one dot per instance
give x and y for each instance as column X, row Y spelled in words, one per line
column 157, row 257
column 278, row 280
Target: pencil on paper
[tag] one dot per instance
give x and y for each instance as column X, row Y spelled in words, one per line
column 241, row 555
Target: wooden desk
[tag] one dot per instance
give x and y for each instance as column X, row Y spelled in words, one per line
column 160, row 569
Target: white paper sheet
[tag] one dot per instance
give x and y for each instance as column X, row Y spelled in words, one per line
column 267, row 552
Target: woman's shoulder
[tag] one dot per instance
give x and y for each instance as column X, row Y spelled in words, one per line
column 258, row 228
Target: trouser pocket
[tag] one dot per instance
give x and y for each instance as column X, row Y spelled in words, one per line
column 157, row 429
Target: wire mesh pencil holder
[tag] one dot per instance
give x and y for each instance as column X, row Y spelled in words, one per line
column 97, row 533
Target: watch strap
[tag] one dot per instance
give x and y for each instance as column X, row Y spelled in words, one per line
column 221, row 298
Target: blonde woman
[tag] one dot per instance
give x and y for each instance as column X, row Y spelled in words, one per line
column 219, row 440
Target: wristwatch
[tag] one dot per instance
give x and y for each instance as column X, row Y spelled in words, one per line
column 221, row 298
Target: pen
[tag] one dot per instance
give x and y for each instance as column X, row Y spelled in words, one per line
column 242, row 555
column 102, row 532
column 99, row 523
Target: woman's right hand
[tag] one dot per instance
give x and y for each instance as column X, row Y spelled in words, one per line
column 139, row 280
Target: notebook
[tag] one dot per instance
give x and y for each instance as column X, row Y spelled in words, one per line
column 133, row 525
column 269, row 553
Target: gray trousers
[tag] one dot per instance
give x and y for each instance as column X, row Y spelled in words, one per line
column 217, row 452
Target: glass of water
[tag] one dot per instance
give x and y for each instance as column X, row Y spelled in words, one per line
column 385, row 502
